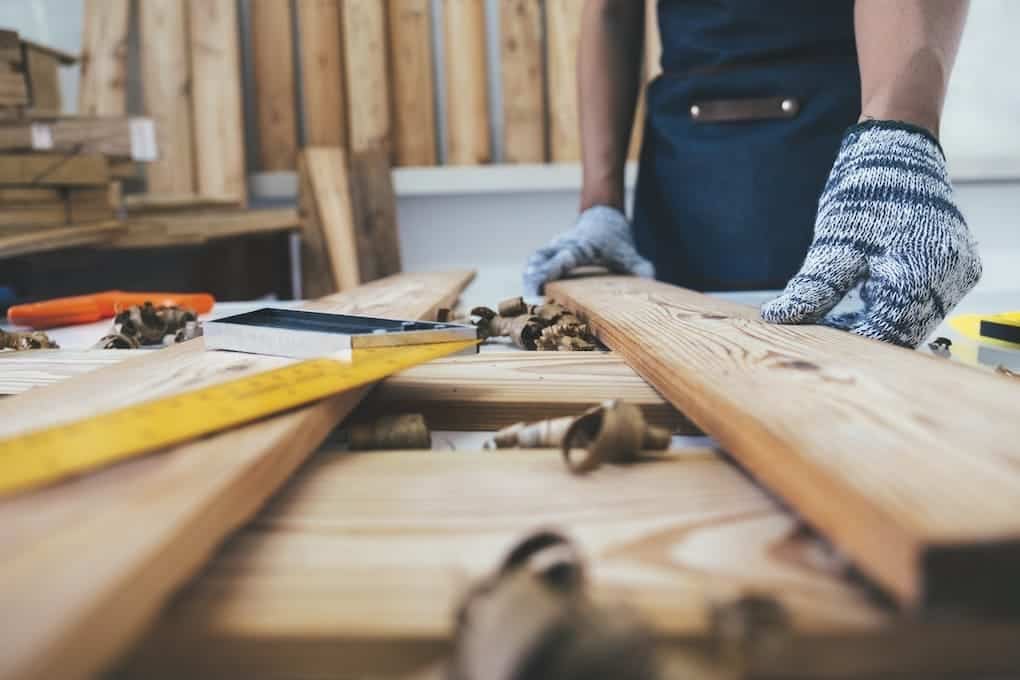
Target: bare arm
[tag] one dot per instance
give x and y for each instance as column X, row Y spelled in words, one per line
column 906, row 50
column 609, row 75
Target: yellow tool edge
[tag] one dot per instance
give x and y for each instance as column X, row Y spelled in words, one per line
column 45, row 456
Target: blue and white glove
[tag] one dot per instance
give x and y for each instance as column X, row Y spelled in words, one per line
column 601, row 236
column 887, row 221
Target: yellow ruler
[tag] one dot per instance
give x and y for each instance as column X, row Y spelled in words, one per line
column 45, row 456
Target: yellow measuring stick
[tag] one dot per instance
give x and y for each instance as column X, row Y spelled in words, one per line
column 45, row 456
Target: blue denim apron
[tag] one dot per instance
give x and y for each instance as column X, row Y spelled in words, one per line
column 731, row 205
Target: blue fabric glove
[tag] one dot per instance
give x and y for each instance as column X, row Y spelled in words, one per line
column 601, row 236
column 886, row 222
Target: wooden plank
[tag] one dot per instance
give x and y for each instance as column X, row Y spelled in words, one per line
column 563, row 31
column 142, row 204
column 45, row 240
column 524, row 92
column 10, row 46
column 359, row 564
column 43, row 80
column 275, row 94
column 907, row 463
column 366, row 74
column 23, row 371
column 104, row 58
column 322, row 75
column 316, row 268
column 218, row 114
column 139, row 530
column 495, row 389
column 414, row 121
column 333, row 214
column 375, row 215
column 13, row 89
column 110, row 136
column 167, row 93
column 63, row 58
column 201, row 226
column 53, row 169
column 467, row 102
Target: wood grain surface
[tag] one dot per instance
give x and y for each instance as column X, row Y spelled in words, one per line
column 44, row 81
column 907, row 463
column 524, row 92
column 375, row 215
column 355, row 570
column 491, row 390
column 108, row 135
column 102, row 90
column 216, row 99
column 331, row 211
column 202, row 226
column 414, row 99
column 468, row 139
column 84, row 565
column 23, row 371
column 53, row 169
column 563, row 31
column 367, row 74
column 322, row 76
column 60, row 238
column 275, row 91
column 167, row 93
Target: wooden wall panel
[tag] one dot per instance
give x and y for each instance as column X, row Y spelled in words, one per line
column 322, row 78
column 275, row 94
column 524, row 91
column 166, row 79
column 563, row 28
column 414, row 122
column 104, row 58
column 220, row 168
column 367, row 74
column 467, row 102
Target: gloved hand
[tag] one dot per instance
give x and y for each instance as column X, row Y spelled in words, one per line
column 601, row 236
column 886, row 220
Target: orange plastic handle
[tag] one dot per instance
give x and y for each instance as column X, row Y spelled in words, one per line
column 79, row 309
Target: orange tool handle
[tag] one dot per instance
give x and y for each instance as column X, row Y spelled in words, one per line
column 81, row 309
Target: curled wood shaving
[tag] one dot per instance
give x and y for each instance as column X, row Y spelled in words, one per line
column 26, row 341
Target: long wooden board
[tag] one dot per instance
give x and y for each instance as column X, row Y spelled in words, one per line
column 60, row 238
column 202, row 226
column 322, row 77
column 53, row 169
column 108, row 135
column 275, row 92
column 85, row 565
column 366, row 74
column 495, row 389
column 468, row 139
column 330, row 217
column 524, row 92
column 908, row 463
column 414, row 120
column 563, row 31
column 355, row 570
column 103, row 87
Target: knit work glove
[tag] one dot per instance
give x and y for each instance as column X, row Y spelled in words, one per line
column 601, row 236
column 887, row 221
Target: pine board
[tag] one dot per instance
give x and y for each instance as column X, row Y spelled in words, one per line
column 59, row 238
column 468, row 139
column 355, row 569
column 53, row 169
column 322, row 77
column 110, row 135
column 414, row 121
column 43, row 80
column 167, row 93
column 216, row 98
column 375, row 215
column 331, row 212
column 563, row 30
column 104, row 58
column 524, row 96
column 275, row 92
column 202, row 226
column 137, row 531
column 495, row 389
column 906, row 462
column 367, row 74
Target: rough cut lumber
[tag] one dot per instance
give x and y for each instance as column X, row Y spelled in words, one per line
column 331, row 213
column 110, row 136
column 524, row 92
column 10, row 47
column 356, row 569
column 468, row 140
column 322, row 76
column 166, row 85
column 366, row 74
column 182, row 228
column 907, row 463
column 317, row 277
column 375, row 215
column 491, row 390
column 43, row 240
column 141, row 204
column 53, row 169
column 13, row 89
column 214, row 38
column 137, row 531
column 563, row 31
column 43, row 69
column 414, row 122
column 104, row 58
column 275, row 94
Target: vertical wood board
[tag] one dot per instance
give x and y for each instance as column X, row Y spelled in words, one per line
column 563, row 28
column 275, row 93
column 467, row 102
column 367, row 74
column 524, row 91
column 329, row 185
column 322, row 77
column 101, row 91
column 411, row 61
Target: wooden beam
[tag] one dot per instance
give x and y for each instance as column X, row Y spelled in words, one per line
column 524, row 91
column 107, row 135
column 13, row 89
column 137, row 531
column 275, row 94
column 166, row 78
column 201, row 226
column 45, row 240
column 104, row 58
column 331, row 212
column 317, row 277
column 322, row 74
column 375, row 215
column 563, row 31
column 495, row 389
column 367, row 74
column 53, row 169
column 414, row 122
column 43, row 69
column 468, row 137
column 902, row 460
column 360, row 563
column 218, row 113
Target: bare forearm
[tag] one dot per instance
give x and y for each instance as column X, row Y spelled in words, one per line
column 609, row 72
column 906, row 50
